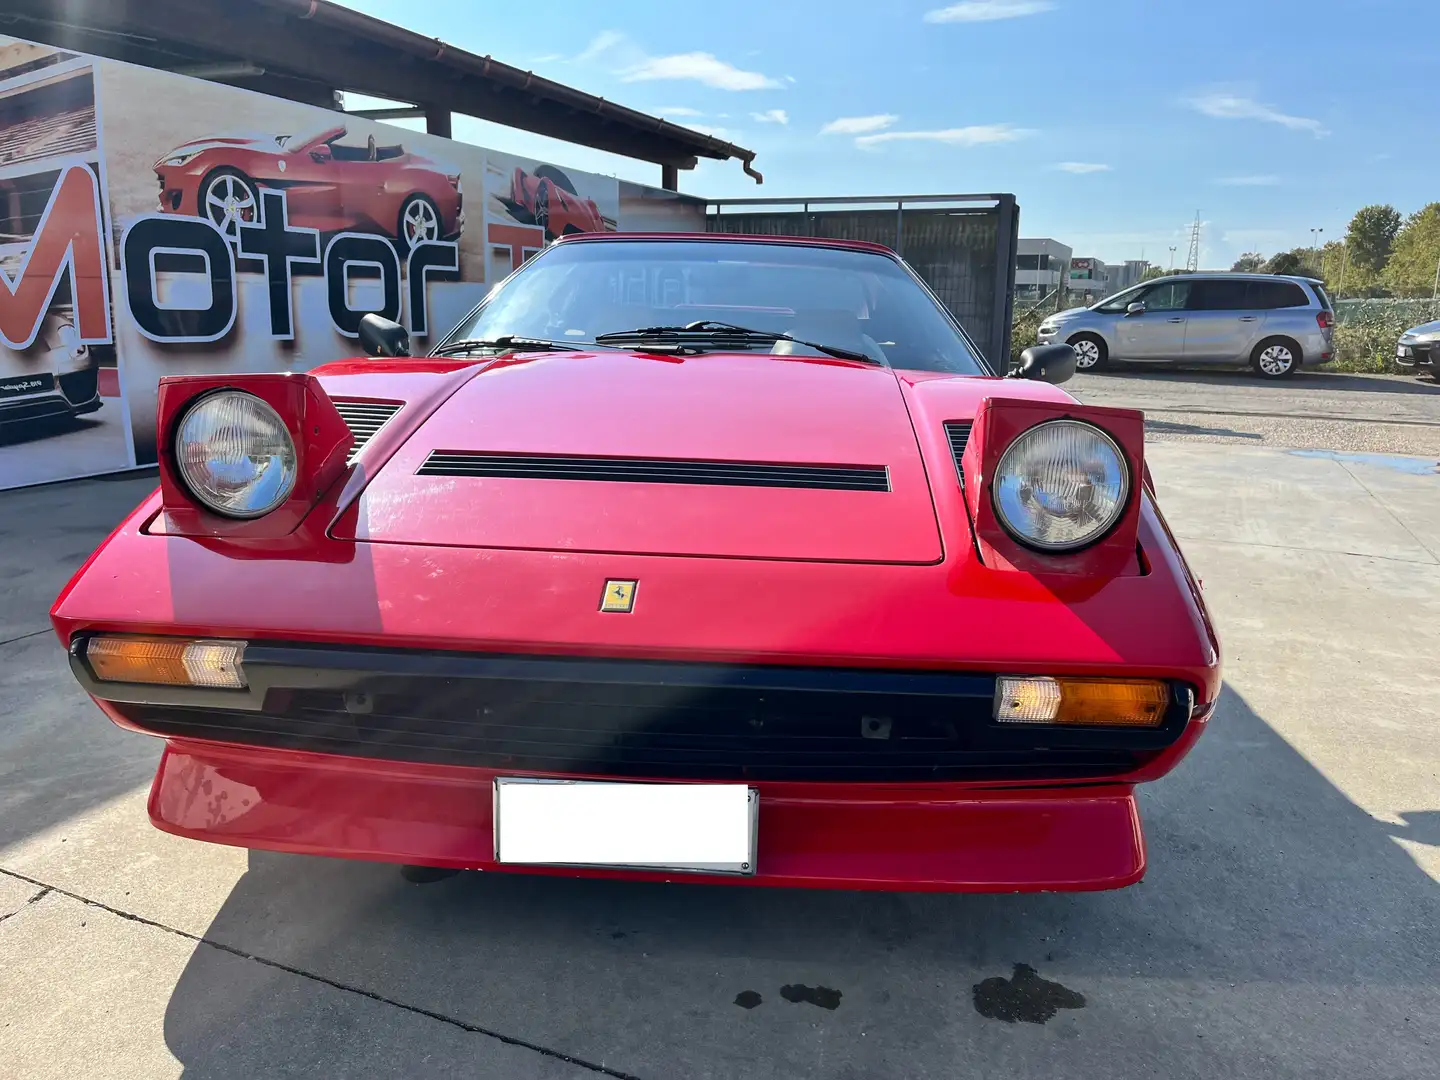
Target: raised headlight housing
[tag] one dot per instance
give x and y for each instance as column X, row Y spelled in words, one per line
column 235, row 454
column 1061, row 486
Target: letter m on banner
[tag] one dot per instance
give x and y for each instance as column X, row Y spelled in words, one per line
column 67, row 240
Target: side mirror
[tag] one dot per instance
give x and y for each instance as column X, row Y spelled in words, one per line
column 1045, row 363
column 1137, row 308
column 320, row 156
column 381, row 337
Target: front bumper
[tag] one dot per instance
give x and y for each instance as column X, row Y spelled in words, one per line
column 1420, row 355
column 45, row 396
column 931, row 837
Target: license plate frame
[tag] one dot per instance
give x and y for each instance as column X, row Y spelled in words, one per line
column 623, row 825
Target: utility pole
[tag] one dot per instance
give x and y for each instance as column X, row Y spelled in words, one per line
column 1435, row 290
column 1315, row 235
column 1192, row 259
column 1173, row 249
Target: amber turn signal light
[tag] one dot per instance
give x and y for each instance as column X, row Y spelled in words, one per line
column 167, row 661
column 1081, row 702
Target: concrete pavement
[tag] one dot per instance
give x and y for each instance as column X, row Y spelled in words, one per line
column 1287, row 926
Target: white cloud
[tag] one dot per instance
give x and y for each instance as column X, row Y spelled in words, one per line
column 1225, row 106
column 676, row 110
column 771, row 116
column 988, row 10
column 604, row 42
column 1081, row 167
column 701, row 67
column 549, row 58
column 975, row 135
column 859, row 125
column 1249, row 181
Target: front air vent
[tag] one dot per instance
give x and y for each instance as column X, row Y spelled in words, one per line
column 657, row 471
column 364, row 419
column 958, row 432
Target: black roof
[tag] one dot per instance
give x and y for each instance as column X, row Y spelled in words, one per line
column 306, row 50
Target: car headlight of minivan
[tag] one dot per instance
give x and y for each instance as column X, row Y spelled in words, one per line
column 1061, row 486
column 235, row 454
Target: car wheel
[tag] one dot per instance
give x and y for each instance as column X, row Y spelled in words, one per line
column 1091, row 353
column 227, row 197
column 1276, row 358
column 542, row 206
column 556, row 177
column 419, row 221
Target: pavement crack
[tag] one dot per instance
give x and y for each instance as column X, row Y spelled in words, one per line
column 44, row 892
column 1386, row 507
column 335, row 984
column 1308, row 550
column 25, row 637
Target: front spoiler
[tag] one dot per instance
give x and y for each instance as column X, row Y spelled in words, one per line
column 919, row 837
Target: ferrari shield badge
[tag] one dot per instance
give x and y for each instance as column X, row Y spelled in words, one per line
column 619, row 596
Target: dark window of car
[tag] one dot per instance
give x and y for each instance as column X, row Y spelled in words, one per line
column 1268, row 295
column 1219, row 294
column 1117, row 304
column 1168, row 296
column 855, row 300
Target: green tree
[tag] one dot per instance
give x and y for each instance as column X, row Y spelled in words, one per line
column 1152, row 272
column 1286, row 262
column 1411, row 269
column 1248, row 263
column 1371, row 236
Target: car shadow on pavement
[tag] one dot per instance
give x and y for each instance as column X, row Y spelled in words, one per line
column 1280, row 931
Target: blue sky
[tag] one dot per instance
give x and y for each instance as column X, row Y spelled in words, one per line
column 1112, row 121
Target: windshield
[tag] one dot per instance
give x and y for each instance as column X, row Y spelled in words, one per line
column 854, row 300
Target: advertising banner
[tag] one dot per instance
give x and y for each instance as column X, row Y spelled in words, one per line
column 153, row 224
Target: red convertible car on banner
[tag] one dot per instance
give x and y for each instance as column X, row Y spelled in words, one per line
column 718, row 558
column 547, row 198
column 330, row 185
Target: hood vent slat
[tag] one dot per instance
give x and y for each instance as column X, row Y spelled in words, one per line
column 657, row 471
column 364, row 419
column 958, row 432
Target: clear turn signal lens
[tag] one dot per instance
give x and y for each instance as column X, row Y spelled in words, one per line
column 167, row 661
column 1082, row 702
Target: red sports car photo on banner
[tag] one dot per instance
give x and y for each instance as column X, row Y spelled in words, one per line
column 548, row 198
column 332, row 185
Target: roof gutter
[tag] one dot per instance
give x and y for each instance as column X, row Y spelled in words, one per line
column 435, row 50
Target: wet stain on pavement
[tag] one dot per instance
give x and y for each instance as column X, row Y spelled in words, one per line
column 1416, row 466
column 822, row 996
column 1025, row 997
column 748, row 999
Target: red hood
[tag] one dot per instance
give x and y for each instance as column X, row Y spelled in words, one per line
column 711, row 409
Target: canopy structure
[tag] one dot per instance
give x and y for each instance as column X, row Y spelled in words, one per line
column 312, row 50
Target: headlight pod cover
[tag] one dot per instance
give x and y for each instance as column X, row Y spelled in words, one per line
column 1061, row 485
column 235, row 454
column 246, row 455
column 1052, row 508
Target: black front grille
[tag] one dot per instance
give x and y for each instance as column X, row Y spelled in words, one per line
column 364, row 419
column 25, row 385
column 657, row 471
column 958, row 432
column 662, row 721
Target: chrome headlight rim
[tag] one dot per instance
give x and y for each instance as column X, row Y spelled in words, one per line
column 1122, row 504
column 196, row 490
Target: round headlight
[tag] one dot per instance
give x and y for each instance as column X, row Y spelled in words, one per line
column 1061, row 485
column 235, row 454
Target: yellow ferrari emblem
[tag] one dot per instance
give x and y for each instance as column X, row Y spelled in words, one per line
column 619, row 596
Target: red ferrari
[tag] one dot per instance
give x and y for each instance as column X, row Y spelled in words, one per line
column 756, row 574
column 330, row 185
column 547, row 198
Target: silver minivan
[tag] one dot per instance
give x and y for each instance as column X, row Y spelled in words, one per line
column 1271, row 322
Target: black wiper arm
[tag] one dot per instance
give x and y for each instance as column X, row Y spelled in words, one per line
column 711, row 331
column 513, row 342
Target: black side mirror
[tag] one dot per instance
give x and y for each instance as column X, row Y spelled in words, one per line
column 381, row 337
column 1047, row 363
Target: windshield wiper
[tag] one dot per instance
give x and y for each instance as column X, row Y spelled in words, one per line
column 511, row 342
column 710, row 332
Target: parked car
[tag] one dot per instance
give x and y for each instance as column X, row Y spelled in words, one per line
column 547, row 198
column 1272, row 323
column 330, row 185
column 1419, row 348
column 611, row 584
column 55, row 376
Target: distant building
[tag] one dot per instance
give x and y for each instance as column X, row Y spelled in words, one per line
column 1041, row 267
column 1088, row 280
column 1122, row 275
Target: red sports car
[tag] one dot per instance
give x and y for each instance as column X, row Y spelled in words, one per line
column 330, row 185
column 756, row 574
column 547, row 198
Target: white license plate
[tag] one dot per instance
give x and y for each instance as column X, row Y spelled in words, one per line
column 703, row 828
